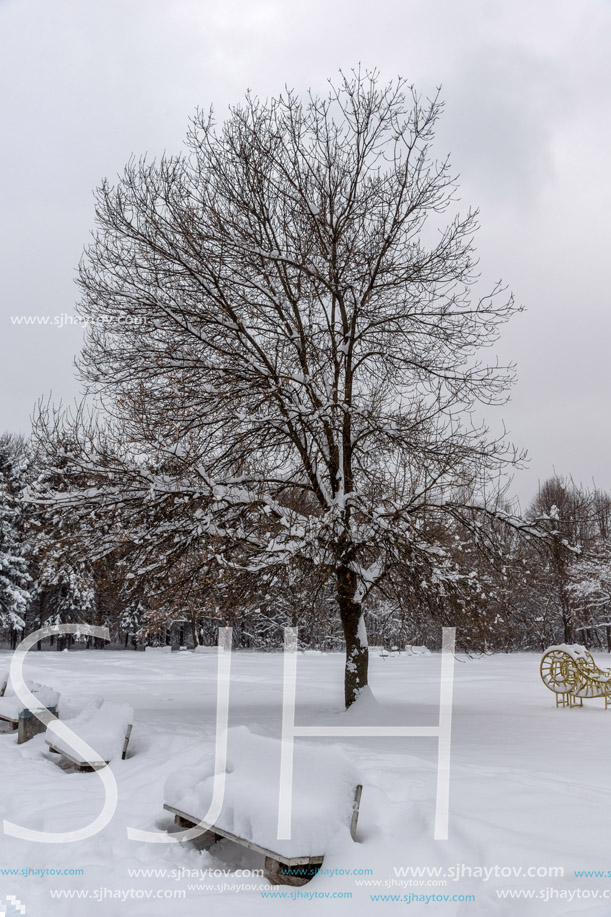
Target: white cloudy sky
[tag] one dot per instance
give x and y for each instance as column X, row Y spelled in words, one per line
column 527, row 86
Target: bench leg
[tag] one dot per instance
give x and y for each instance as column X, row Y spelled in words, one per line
column 209, row 839
column 278, row 873
column 205, row 840
column 28, row 727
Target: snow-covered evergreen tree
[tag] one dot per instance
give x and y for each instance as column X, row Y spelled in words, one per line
column 15, row 580
column 590, row 585
column 66, row 592
column 130, row 621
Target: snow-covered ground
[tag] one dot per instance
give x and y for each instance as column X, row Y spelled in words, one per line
column 530, row 789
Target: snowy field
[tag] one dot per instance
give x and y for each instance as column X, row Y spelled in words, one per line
column 530, row 790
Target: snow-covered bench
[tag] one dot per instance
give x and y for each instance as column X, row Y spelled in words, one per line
column 12, row 710
column 413, row 650
column 103, row 725
column 325, row 799
column 571, row 673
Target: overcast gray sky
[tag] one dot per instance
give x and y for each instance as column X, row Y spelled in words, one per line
column 527, row 86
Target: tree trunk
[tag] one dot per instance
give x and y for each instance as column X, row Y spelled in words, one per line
column 357, row 653
column 567, row 623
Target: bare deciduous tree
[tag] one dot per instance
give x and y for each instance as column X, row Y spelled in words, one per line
column 284, row 333
column 565, row 511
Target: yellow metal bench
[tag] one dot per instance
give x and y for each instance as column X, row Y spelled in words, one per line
column 571, row 673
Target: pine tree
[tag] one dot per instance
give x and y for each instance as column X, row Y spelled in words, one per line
column 15, row 580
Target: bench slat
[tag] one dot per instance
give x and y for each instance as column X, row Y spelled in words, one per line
column 288, row 861
column 95, row 765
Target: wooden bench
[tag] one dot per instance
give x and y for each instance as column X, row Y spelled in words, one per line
column 88, row 725
column 279, row 869
column 84, row 766
column 325, row 791
column 22, row 719
column 13, row 721
column 9, row 702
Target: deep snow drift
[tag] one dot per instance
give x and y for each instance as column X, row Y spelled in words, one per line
column 530, row 789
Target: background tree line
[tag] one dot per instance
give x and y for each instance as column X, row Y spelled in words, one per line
column 521, row 594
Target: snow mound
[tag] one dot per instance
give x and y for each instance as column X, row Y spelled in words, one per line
column 45, row 697
column 324, row 782
column 365, row 711
column 87, row 711
column 33, row 686
column 102, row 727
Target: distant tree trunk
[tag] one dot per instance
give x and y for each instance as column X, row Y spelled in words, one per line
column 357, row 653
column 567, row 617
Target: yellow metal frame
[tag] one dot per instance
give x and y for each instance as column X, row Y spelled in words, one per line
column 571, row 673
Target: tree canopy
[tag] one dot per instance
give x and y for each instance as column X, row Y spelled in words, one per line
column 285, row 336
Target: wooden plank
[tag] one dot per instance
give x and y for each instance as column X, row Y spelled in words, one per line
column 277, row 873
column 288, row 861
column 94, row 765
column 355, row 810
column 126, row 743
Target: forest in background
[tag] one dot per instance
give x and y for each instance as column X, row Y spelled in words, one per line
column 517, row 592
